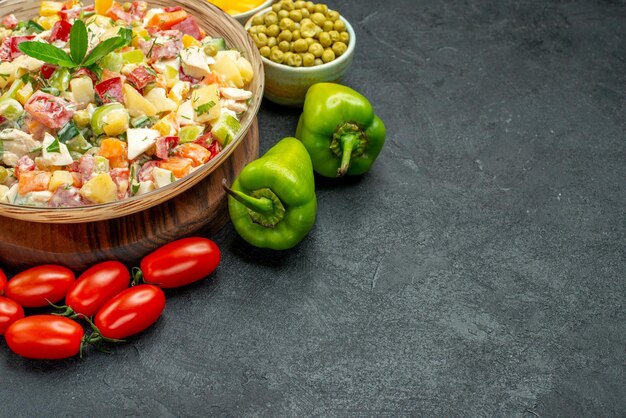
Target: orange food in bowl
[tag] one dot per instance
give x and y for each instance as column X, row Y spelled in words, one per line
column 235, row 7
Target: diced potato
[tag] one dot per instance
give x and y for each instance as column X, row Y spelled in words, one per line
column 206, row 103
column 159, row 101
column 116, row 122
column 179, row 91
column 9, row 73
column 227, row 67
column 47, row 22
column 50, row 8
column 245, row 69
column 60, row 178
column 168, row 125
column 82, row 88
column 185, row 113
column 145, row 187
column 136, row 104
column 100, row 189
column 4, row 190
column 23, row 94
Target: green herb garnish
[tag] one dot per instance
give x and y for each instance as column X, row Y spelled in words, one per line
column 204, row 108
column 55, row 146
column 79, row 42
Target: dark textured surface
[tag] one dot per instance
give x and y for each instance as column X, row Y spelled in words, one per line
column 477, row 270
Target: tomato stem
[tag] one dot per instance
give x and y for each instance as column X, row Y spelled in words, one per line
column 137, row 275
column 68, row 312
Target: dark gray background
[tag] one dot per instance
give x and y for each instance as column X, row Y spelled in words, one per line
column 477, row 270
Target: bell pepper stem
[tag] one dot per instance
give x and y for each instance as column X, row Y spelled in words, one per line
column 261, row 205
column 348, row 142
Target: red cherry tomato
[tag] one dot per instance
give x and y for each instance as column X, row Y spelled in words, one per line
column 130, row 312
column 34, row 287
column 96, row 286
column 181, row 262
column 45, row 337
column 10, row 312
column 3, row 282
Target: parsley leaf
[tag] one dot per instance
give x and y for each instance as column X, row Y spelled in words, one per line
column 205, row 108
column 55, row 146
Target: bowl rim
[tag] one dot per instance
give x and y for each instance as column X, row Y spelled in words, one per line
column 345, row 57
column 183, row 184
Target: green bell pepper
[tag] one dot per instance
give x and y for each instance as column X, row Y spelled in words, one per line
column 272, row 203
column 339, row 130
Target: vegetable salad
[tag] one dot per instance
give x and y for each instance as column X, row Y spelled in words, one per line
column 100, row 103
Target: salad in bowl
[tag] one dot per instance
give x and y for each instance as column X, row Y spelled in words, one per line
column 105, row 102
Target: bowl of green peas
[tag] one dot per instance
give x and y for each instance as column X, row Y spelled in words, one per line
column 301, row 43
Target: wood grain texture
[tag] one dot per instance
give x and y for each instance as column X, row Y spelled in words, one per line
column 215, row 23
column 202, row 208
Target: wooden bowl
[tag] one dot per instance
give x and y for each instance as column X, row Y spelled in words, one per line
column 215, row 23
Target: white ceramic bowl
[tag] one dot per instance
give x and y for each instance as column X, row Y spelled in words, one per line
column 287, row 85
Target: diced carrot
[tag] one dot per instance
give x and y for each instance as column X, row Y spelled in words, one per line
column 196, row 153
column 112, row 148
column 78, row 182
column 167, row 20
column 33, row 181
column 121, row 162
column 180, row 167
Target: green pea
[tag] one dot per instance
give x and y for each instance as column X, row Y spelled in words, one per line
column 321, row 8
column 265, row 51
column 283, row 14
column 316, row 49
column 318, row 61
column 277, row 55
column 328, row 55
column 328, row 26
column 300, row 45
column 318, row 19
column 324, row 39
column 258, row 20
column 339, row 48
column 339, row 25
column 299, row 4
column 332, row 15
column 210, row 50
column 288, row 5
column 283, row 46
column 309, row 41
column 271, row 18
column 271, row 42
column 294, row 60
column 308, row 29
column 344, row 37
column 334, row 35
column 310, row 6
column 4, row 173
column 286, row 56
column 295, row 35
column 285, row 35
column 252, row 30
column 261, row 29
column 287, row 24
column 305, row 12
column 272, row 30
column 276, row 7
column 260, row 39
column 295, row 15
column 307, row 59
